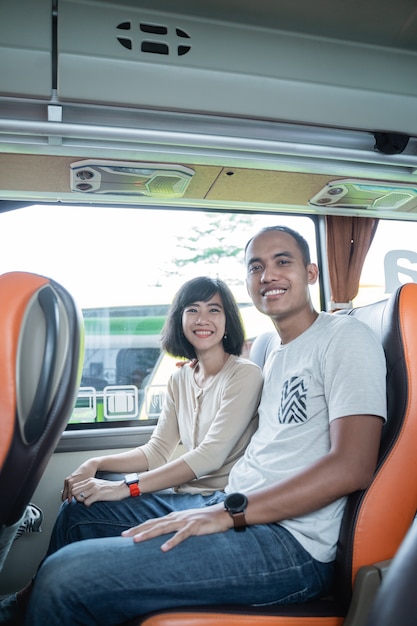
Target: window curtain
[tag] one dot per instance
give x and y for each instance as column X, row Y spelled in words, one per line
column 348, row 242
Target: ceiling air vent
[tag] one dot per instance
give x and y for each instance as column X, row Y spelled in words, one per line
column 156, row 39
column 130, row 178
column 366, row 194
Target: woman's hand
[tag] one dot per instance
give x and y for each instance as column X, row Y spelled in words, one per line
column 84, row 487
column 203, row 521
column 83, row 472
column 96, row 489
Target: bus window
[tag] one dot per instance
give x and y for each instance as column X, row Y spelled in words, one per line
column 125, row 294
column 390, row 262
column 141, row 258
column 122, row 346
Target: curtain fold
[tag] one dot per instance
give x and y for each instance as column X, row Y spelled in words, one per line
column 348, row 241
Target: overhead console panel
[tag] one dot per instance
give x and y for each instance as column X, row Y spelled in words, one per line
column 130, row 55
column 26, row 48
column 272, row 84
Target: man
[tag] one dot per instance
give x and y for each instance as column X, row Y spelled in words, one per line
column 272, row 537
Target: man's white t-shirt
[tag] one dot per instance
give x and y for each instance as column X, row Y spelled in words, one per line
column 334, row 369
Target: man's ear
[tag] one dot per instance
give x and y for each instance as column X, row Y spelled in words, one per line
column 313, row 273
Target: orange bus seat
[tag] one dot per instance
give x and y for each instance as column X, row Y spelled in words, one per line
column 41, row 351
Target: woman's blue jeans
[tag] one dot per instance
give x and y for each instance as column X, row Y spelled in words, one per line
column 94, row 576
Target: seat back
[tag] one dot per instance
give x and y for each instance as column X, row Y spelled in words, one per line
column 262, row 346
column 377, row 519
column 41, row 351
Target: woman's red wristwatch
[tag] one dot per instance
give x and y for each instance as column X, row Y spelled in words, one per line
column 132, row 481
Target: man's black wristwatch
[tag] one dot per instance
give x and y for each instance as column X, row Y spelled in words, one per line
column 235, row 504
column 132, row 481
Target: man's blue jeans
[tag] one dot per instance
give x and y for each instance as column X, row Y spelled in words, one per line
column 109, row 579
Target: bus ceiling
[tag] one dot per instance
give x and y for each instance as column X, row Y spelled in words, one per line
column 329, row 66
column 230, row 90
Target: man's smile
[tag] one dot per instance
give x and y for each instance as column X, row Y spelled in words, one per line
column 273, row 292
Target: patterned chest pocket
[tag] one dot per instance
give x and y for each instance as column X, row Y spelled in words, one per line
column 293, row 407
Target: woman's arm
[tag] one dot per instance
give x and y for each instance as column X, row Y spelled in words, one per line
column 171, row 474
column 232, row 413
column 83, row 477
column 231, row 421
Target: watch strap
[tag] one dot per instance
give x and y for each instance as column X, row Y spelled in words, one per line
column 134, row 489
column 239, row 521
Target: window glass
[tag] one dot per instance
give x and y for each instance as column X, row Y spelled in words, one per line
column 391, row 261
column 123, row 266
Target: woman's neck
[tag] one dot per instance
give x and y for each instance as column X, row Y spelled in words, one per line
column 208, row 366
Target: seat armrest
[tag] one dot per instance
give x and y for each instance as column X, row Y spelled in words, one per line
column 367, row 583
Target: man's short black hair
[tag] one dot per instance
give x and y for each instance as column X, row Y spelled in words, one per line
column 300, row 241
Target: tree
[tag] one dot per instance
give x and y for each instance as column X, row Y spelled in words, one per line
column 216, row 242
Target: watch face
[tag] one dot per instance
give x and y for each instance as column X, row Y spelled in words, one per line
column 235, row 502
column 131, row 478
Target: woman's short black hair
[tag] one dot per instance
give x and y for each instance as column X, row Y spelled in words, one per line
column 201, row 289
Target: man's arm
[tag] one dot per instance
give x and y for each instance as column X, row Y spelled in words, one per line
column 348, row 466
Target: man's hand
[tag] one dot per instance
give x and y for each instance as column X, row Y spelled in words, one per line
column 203, row 521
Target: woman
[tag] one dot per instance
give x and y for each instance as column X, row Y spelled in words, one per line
column 210, row 405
